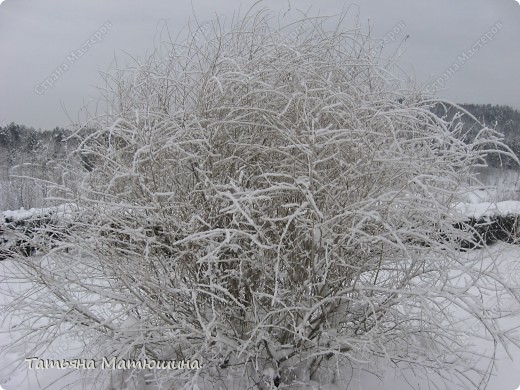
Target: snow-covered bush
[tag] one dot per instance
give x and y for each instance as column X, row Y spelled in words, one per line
column 279, row 208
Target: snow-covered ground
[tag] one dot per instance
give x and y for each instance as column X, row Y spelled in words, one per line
column 506, row 375
column 14, row 375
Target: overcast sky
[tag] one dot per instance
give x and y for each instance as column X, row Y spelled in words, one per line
column 38, row 36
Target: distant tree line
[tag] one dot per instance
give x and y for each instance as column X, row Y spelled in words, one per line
column 27, row 153
column 504, row 119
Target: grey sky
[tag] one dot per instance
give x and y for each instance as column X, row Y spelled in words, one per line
column 37, row 36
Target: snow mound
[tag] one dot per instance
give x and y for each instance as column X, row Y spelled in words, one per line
column 488, row 209
column 61, row 211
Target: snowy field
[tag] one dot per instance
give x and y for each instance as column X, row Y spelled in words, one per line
column 506, row 374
